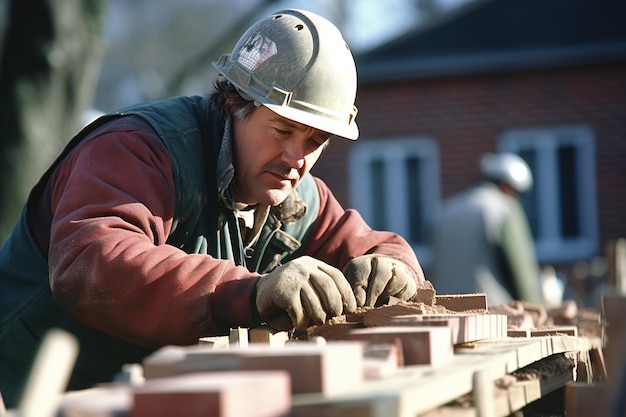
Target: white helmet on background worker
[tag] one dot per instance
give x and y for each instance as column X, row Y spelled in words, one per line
column 297, row 64
column 508, row 168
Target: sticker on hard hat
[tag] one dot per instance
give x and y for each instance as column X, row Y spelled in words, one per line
column 256, row 51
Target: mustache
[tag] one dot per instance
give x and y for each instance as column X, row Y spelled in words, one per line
column 284, row 171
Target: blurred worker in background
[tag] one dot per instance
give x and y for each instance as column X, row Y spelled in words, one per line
column 483, row 242
column 169, row 221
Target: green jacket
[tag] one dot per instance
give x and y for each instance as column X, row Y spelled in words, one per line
column 483, row 243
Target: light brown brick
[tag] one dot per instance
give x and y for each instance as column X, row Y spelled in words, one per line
column 462, row 302
column 219, row 394
column 420, row 345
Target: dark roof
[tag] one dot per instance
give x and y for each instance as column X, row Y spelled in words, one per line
column 497, row 35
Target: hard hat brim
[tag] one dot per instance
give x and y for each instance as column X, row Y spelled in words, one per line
column 348, row 131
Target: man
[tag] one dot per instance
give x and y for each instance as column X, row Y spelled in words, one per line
column 483, row 242
column 169, row 221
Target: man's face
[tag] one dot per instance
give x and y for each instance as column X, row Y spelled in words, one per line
column 271, row 155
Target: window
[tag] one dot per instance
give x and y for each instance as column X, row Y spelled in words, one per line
column 561, row 206
column 394, row 183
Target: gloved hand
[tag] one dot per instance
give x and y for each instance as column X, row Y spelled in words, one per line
column 302, row 292
column 376, row 277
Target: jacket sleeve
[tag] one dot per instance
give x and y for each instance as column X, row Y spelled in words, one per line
column 340, row 235
column 519, row 256
column 110, row 267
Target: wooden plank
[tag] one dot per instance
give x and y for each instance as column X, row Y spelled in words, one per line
column 49, row 374
column 512, row 398
column 415, row 390
column 509, row 394
column 614, row 311
column 483, row 394
column 521, row 393
column 615, row 255
column 598, row 365
column 321, row 407
column 584, row 400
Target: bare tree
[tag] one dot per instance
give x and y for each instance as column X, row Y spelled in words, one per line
column 48, row 72
column 155, row 53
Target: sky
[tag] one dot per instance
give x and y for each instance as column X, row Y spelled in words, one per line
column 142, row 74
column 373, row 22
column 369, row 22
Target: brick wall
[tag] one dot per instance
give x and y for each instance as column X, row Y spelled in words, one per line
column 466, row 115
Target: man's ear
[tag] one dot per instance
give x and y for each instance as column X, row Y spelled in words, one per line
column 228, row 103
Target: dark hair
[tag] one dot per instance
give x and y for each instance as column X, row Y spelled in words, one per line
column 228, row 100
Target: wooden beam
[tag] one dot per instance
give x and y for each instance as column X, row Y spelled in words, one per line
column 415, row 390
column 615, row 254
column 585, row 400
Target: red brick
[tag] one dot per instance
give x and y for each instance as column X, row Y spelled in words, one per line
column 223, row 394
column 420, row 345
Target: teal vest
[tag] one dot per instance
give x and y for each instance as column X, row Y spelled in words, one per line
column 204, row 222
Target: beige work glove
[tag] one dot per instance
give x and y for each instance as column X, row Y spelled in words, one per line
column 375, row 278
column 302, row 292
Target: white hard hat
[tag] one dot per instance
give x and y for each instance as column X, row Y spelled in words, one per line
column 508, row 168
column 298, row 65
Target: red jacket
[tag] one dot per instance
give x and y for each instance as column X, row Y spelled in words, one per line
column 105, row 249
column 110, row 266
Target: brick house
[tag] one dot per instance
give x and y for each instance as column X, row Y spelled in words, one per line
column 544, row 79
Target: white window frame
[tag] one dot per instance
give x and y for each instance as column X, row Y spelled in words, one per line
column 551, row 247
column 392, row 152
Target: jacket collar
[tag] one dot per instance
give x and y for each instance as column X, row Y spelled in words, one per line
column 225, row 167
